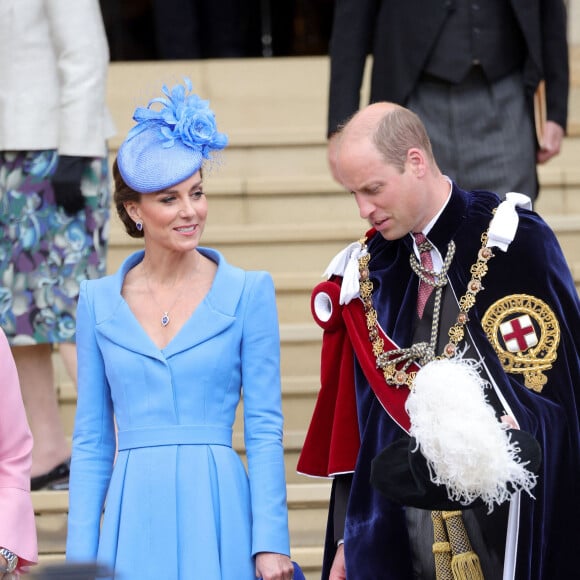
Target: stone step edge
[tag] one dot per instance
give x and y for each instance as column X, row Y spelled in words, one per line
column 287, row 233
column 323, row 184
column 293, row 233
column 293, row 440
column 309, row 557
column 292, row 387
column 308, row 495
column 305, row 282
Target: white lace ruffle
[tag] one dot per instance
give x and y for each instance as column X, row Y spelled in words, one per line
column 345, row 264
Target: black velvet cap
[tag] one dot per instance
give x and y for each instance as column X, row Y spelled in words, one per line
column 400, row 472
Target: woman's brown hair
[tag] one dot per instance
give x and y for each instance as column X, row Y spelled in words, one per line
column 122, row 194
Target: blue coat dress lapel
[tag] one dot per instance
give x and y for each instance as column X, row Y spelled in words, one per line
column 213, row 316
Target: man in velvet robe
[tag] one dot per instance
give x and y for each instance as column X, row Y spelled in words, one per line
column 386, row 162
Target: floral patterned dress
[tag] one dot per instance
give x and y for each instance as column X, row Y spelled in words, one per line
column 44, row 253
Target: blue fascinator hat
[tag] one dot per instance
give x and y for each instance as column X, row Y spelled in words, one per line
column 169, row 144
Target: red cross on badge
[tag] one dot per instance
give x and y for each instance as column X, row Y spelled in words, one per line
column 525, row 333
column 518, row 333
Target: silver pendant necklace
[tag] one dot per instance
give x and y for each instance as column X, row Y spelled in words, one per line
column 165, row 318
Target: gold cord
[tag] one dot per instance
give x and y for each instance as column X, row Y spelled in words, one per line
column 421, row 352
column 454, row 555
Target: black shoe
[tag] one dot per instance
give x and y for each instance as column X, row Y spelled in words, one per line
column 55, row 479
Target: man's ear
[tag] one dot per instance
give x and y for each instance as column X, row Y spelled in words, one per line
column 416, row 161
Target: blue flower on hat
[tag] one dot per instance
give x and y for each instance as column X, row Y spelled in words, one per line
column 184, row 117
column 169, row 144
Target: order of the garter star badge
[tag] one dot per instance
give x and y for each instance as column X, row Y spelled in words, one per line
column 525, row 334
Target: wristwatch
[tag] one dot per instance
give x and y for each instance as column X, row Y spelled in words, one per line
column 11, row 559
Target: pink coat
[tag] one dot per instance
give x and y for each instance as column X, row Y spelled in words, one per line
column 17, row 524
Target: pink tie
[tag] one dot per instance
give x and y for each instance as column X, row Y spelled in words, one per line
column 425, row 289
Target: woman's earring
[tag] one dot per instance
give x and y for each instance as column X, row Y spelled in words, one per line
column 139, row 225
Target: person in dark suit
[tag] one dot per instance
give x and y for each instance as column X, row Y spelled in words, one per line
column 469, row 70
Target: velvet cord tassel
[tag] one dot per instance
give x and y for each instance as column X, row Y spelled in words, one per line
column 454, row 555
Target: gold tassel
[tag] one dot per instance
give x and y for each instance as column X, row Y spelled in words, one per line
column 441, row 548
column 465, row 563
column 466, row 566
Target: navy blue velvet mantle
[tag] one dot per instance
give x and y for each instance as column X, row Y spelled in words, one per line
column 376, row 542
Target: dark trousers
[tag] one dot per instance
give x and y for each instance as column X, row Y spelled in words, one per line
column 482, row 132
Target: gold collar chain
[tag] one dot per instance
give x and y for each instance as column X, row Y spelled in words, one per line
column 384, row 360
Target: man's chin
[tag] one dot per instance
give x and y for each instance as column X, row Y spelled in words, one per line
column 388, row 232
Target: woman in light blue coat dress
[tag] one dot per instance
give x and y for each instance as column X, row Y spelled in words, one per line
column 166, row 346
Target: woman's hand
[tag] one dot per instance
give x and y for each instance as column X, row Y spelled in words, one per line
column 6, row 575
column 272, row 566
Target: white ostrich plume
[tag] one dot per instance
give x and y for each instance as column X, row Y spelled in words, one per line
column 467, row 449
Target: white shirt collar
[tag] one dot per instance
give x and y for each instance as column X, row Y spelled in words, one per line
column 435, row 255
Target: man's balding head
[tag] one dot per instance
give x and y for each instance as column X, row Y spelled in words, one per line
column 385, row 160
column 392, row 129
